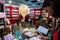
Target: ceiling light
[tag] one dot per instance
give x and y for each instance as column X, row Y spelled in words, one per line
column 10, row 1
column 40, row 0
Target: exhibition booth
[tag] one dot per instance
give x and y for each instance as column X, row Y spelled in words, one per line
column 20, row 22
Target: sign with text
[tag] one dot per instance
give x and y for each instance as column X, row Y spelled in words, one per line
column 2, row 15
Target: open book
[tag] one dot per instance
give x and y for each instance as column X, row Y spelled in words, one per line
column 42, row 29
column 29, row 34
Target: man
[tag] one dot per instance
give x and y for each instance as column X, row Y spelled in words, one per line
column 53, row 7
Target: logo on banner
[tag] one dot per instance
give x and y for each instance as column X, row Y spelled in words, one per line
column 23, row 9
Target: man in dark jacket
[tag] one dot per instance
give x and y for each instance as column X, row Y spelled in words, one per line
column 55, row 7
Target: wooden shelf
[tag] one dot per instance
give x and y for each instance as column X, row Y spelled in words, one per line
column 14, row 13
column 2, row 26
column 7, row 15
column 14, row 17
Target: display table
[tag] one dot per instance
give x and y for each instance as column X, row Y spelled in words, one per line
column 26, row 35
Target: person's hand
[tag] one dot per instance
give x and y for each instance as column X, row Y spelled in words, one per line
column 50, row 25
column 49, row 29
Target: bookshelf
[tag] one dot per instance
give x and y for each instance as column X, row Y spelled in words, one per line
column 12, row 13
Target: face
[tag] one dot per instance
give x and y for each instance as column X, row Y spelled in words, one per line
column 50, row 10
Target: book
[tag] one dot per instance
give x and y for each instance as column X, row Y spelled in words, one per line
column 42, row 30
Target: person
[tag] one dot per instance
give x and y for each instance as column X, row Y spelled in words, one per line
column 44, row 23
column 1, row 34
column 40, row 18
column 16, row 30
column 20, row 16
column 27, row 17
column 58, row 28
column 50, row 23
column 15, row 27
column 54, row 10
column 56, row 35
column 37, row 24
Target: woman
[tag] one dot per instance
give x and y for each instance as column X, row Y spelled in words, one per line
column 44, row 23
column 16, row 27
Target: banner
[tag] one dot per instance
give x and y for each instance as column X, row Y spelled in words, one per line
column 2, row 15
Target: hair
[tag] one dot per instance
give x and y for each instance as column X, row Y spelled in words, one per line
column 44, row 19
column 55, row 8
column 18, row 21
column 48, row 3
